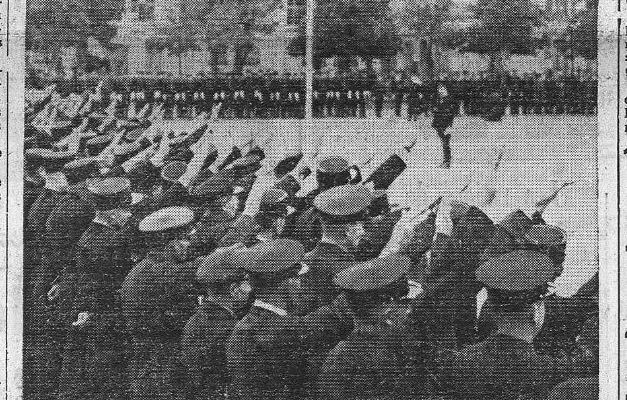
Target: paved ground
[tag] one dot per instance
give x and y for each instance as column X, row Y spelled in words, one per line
column 540, row 153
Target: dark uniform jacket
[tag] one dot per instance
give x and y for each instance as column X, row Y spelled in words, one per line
column 448, row 308
column 158, row 296
column 67, row 221
column 503, row 367
column 103, row 258
column 93, row 354
column 63, row 227
column 265, row 351
column 203, row 371
column 36, row 228
column 444, row 111
column 565, row 317
column 370, row 364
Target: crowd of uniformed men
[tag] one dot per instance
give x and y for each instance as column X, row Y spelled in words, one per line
column 157, row 267
column 356, row 95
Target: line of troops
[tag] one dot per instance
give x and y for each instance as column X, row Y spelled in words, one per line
column 157, row 267
column 259, row 96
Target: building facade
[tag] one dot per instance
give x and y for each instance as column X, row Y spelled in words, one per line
column 142, row 19
column 141, row 22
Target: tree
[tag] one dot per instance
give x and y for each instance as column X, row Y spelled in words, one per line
column 178, row 35
column 347, row 28
column 55, row 24
column 231, row 23
column 583, row 32
column 504, row 27
column 428, row 21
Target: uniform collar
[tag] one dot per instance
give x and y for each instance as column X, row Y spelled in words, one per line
column 270, row 307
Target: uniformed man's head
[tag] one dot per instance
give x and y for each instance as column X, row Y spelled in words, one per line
column 124, row 151
column 517, row 283
column 165, row 225
column 144, row 178
column 332, row 171
column 217, row 190
column 373, row 288
column 272, row 211
column 247, row 164
column 221, row 276
column 343, row 209
column 473, row 230
column 517, row 223
column 274, row 268
column 79, row 170
column 110, row 193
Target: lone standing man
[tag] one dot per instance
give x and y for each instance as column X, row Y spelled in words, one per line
column 443, row 115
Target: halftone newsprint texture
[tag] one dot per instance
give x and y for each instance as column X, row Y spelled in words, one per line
column 312, row 199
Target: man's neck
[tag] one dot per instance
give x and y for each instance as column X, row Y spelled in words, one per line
column 221, row 301
column 338, row 239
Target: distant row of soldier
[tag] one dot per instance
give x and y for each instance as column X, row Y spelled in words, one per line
column 272, row 97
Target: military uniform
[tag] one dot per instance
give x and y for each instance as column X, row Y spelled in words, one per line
column 37, row 340
column 372, row 361
column 265, row 350
column 305, row 227
column 397, row 90
column 157, row 296
column 506, row 366
column 380, row 90
column 203, row 352
column 324, row 261
column 68, row 218
column 448, row 311
column 502, row 367
column 443, row 115
column 515, row 95
column 86, row 306
column 368, row 364
column 203, row 373
column 41, row 208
